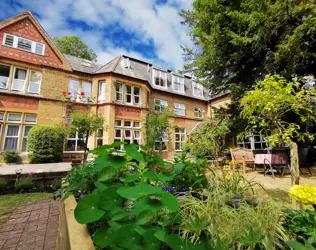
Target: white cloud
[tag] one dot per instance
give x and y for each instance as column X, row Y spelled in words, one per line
column 149, row 22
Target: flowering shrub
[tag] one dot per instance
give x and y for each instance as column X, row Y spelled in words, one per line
column 303, row 194
column 209, row 139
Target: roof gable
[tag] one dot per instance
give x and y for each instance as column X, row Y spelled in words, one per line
column 25, row 25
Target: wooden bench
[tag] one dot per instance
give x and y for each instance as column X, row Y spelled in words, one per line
column 244, row 156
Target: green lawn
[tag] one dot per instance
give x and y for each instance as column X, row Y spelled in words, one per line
column 11, row 201
column 280, row 196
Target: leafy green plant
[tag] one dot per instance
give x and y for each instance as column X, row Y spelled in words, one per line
column 12, row 157
column 24, row 183
column 209, row 139
column 45, row 143
column 126, row 200
column 3, row 184
column 301, row 224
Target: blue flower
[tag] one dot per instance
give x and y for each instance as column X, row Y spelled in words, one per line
column 237, row 200
column 283, row 207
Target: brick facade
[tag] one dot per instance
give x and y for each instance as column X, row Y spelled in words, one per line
column 55, row 75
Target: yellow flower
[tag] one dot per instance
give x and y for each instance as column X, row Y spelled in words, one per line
column 231, row 163
column 303, row 194
column 228, row 175
column 226, row 168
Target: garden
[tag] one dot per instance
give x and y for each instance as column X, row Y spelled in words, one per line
column 127, row 203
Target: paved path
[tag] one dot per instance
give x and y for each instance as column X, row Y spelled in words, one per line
column 31, row 227
column 278, row 182
column 36, row 168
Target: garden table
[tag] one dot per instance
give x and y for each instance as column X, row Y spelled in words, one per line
column 272, row 161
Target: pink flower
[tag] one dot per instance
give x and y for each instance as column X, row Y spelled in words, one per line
column 187, row 142
column 69, row 93
column 66, row 124
column 64, row 92
column 74, row 100
column 191, row 139
column 31, row 174
column 82, row 93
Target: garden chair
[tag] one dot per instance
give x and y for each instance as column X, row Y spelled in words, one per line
column 244, row 156
column 302, row 156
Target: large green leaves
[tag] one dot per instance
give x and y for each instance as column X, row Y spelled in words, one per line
column 138, row 191
column 103, row 237
column 109, row 199
column 132, row 151
column 145, row 217
column 115, row 161
column 147, row 203
column 107, row 173
column 103, row 150
column 87, row 210
column 158, row 177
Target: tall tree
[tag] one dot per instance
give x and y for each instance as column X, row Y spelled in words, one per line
column 238, row 42
column 72, row 45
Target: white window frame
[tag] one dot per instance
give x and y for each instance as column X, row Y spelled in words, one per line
column 119, row 91
column 73, row 95
column 198, row 112
column 101, row 90
column 163, row 75
column 178, row 83
column 24, row 137
column 87, row 94
column 123, row 129
column 139, row 95
column 5, row 135
column 34, row 115
column 251, row 141
column 15, row 44
column 128, row 94
column 76, row 139
column 13, row 78
column 197, row 86
column 98, row 138
column 8, row 115
column 179, row 109
column 162, row 104
column 38, row 83
column 8, row 77
column 164, row 139
column 1, row 123
column 180, row 136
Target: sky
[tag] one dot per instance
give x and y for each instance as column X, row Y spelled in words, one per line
column 148, row 30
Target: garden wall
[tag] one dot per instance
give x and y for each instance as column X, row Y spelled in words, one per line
column 71, row 234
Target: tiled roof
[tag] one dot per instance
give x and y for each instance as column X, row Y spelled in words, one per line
column 82, row 65
column 139, row 70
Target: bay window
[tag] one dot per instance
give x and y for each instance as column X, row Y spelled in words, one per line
column 19, row 79
column 179, row 109
column 127, row 131
column 86, row 89
column 130, row 93
column 101, row 91
column 11, row 138
column 4, row 76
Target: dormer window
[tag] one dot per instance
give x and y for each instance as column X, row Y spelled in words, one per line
column 125, row 63
column 160, row 78
column 178, row 83
column 197, row 89
column 23, row 44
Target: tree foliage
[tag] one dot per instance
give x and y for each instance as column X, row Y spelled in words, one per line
column 209, row 138
column 72, row 45
column 240, row 41
column 267, row 107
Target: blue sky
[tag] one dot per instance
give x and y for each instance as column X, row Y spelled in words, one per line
column 149, row 30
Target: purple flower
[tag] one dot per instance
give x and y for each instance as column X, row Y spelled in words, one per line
column 237, row 200
column 283, row 207
column 82, row 195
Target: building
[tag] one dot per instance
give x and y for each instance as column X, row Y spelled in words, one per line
column 33, row 75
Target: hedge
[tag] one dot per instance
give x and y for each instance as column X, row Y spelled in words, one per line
column 45, row 143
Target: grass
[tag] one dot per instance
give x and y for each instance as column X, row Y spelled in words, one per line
column 11, row 201
column 280, row 196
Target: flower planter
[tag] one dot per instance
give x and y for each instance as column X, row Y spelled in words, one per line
column 71, row 234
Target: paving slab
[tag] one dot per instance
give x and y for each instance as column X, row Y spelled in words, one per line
column 36, row 168
column 32, row 226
